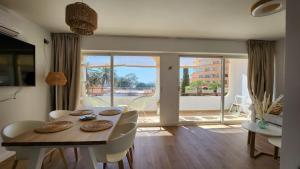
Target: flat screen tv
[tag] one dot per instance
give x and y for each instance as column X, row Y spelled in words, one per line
column 17, row 62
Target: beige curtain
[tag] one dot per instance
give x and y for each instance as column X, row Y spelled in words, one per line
column 260, row 68
column 66, row 58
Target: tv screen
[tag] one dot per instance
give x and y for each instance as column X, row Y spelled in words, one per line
column 17, row 62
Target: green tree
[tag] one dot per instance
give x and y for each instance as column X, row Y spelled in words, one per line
column 130, row 80
column 185, row 80
column 141, row 85
column 197, row 84
column 214, row 86
column 98, row 76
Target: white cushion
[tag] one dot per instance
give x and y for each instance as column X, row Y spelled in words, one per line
column 275, row 119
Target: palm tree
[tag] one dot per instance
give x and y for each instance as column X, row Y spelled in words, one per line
column 105, row 76
column 97, row 77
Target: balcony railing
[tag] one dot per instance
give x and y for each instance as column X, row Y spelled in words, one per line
column 121, row 91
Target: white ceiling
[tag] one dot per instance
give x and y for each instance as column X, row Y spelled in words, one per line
column 218, row 19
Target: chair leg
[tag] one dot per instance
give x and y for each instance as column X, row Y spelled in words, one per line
column 129, row 160
column 131, row 154
column 61, row 151
column 104, row 165
column 51, row 156
column 120, row 164
column 76, row 154
column 15, row 164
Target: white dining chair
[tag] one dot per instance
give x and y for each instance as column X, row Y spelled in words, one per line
column 129, row 117
column 15, row 129
column 56, row 114
column 118, row 146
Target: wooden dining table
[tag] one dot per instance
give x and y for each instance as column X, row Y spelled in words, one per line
column 36, row 144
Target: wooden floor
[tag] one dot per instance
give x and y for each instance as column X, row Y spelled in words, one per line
column 185, row 147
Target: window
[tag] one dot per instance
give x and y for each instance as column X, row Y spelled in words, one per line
column 128, row 81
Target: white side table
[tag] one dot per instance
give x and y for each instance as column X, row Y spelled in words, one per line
column 276, row 142
column 253, row 129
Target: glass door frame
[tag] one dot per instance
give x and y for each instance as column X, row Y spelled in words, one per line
column 222, row 79
column 112, row 61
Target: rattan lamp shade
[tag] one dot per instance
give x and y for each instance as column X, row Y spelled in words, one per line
column 56, row 79
column 81, row 18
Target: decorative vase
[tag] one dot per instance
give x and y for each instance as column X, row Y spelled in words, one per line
column 262, row 124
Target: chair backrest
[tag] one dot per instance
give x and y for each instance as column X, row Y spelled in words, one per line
column 122, row 138
column 139, row 103
column 16, row 128
column 129, row 117
column 90, row 101
column 243, row 100
column 58, row 113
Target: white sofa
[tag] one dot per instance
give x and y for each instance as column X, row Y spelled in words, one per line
column 274, row 119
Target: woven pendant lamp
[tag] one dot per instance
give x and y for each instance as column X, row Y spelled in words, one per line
column 81, row 18
column 56, row 79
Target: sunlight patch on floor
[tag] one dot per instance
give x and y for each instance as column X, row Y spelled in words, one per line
column 220, row 128
column 152, row 131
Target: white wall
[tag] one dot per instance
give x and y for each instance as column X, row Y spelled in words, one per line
column 170, row 45
column 279, row 67
column 169, row 89
column 290, row 156
column 32, row 103
column 169, row 50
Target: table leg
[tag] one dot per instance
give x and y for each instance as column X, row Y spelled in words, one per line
column 253, row 152
column 35, row 158
column 276, row 150
column 90, row 157
column 249, row 137
column 252, row 144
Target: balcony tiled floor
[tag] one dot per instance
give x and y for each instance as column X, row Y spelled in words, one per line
column 195, row 116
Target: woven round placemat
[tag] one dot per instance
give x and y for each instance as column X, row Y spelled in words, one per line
column 110, row 112
column 81, row 112
column 53, row 127
column 98, row 125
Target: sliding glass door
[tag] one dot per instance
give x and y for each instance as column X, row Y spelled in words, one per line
column 211, row 89
column 200, row 89
column 125, row 81
column 236, row 97
column 96, row 81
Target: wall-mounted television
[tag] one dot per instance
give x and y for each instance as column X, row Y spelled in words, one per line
column 17, row 62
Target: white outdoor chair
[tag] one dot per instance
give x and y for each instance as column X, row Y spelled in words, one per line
column 53, row 115
column 17, row 128
column 239, row 103
column 140, row 104
column 93, row 101
column 117, row 148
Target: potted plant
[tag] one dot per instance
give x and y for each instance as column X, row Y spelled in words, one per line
column 263, row 107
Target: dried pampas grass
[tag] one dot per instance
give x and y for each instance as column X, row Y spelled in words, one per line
column 266, row 105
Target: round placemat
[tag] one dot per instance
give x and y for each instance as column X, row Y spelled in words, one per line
column 53, row 127
column 110, row 112
column 81, row 112
column 98, row 125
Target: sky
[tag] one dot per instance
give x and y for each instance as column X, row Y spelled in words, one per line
column 146, row 75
